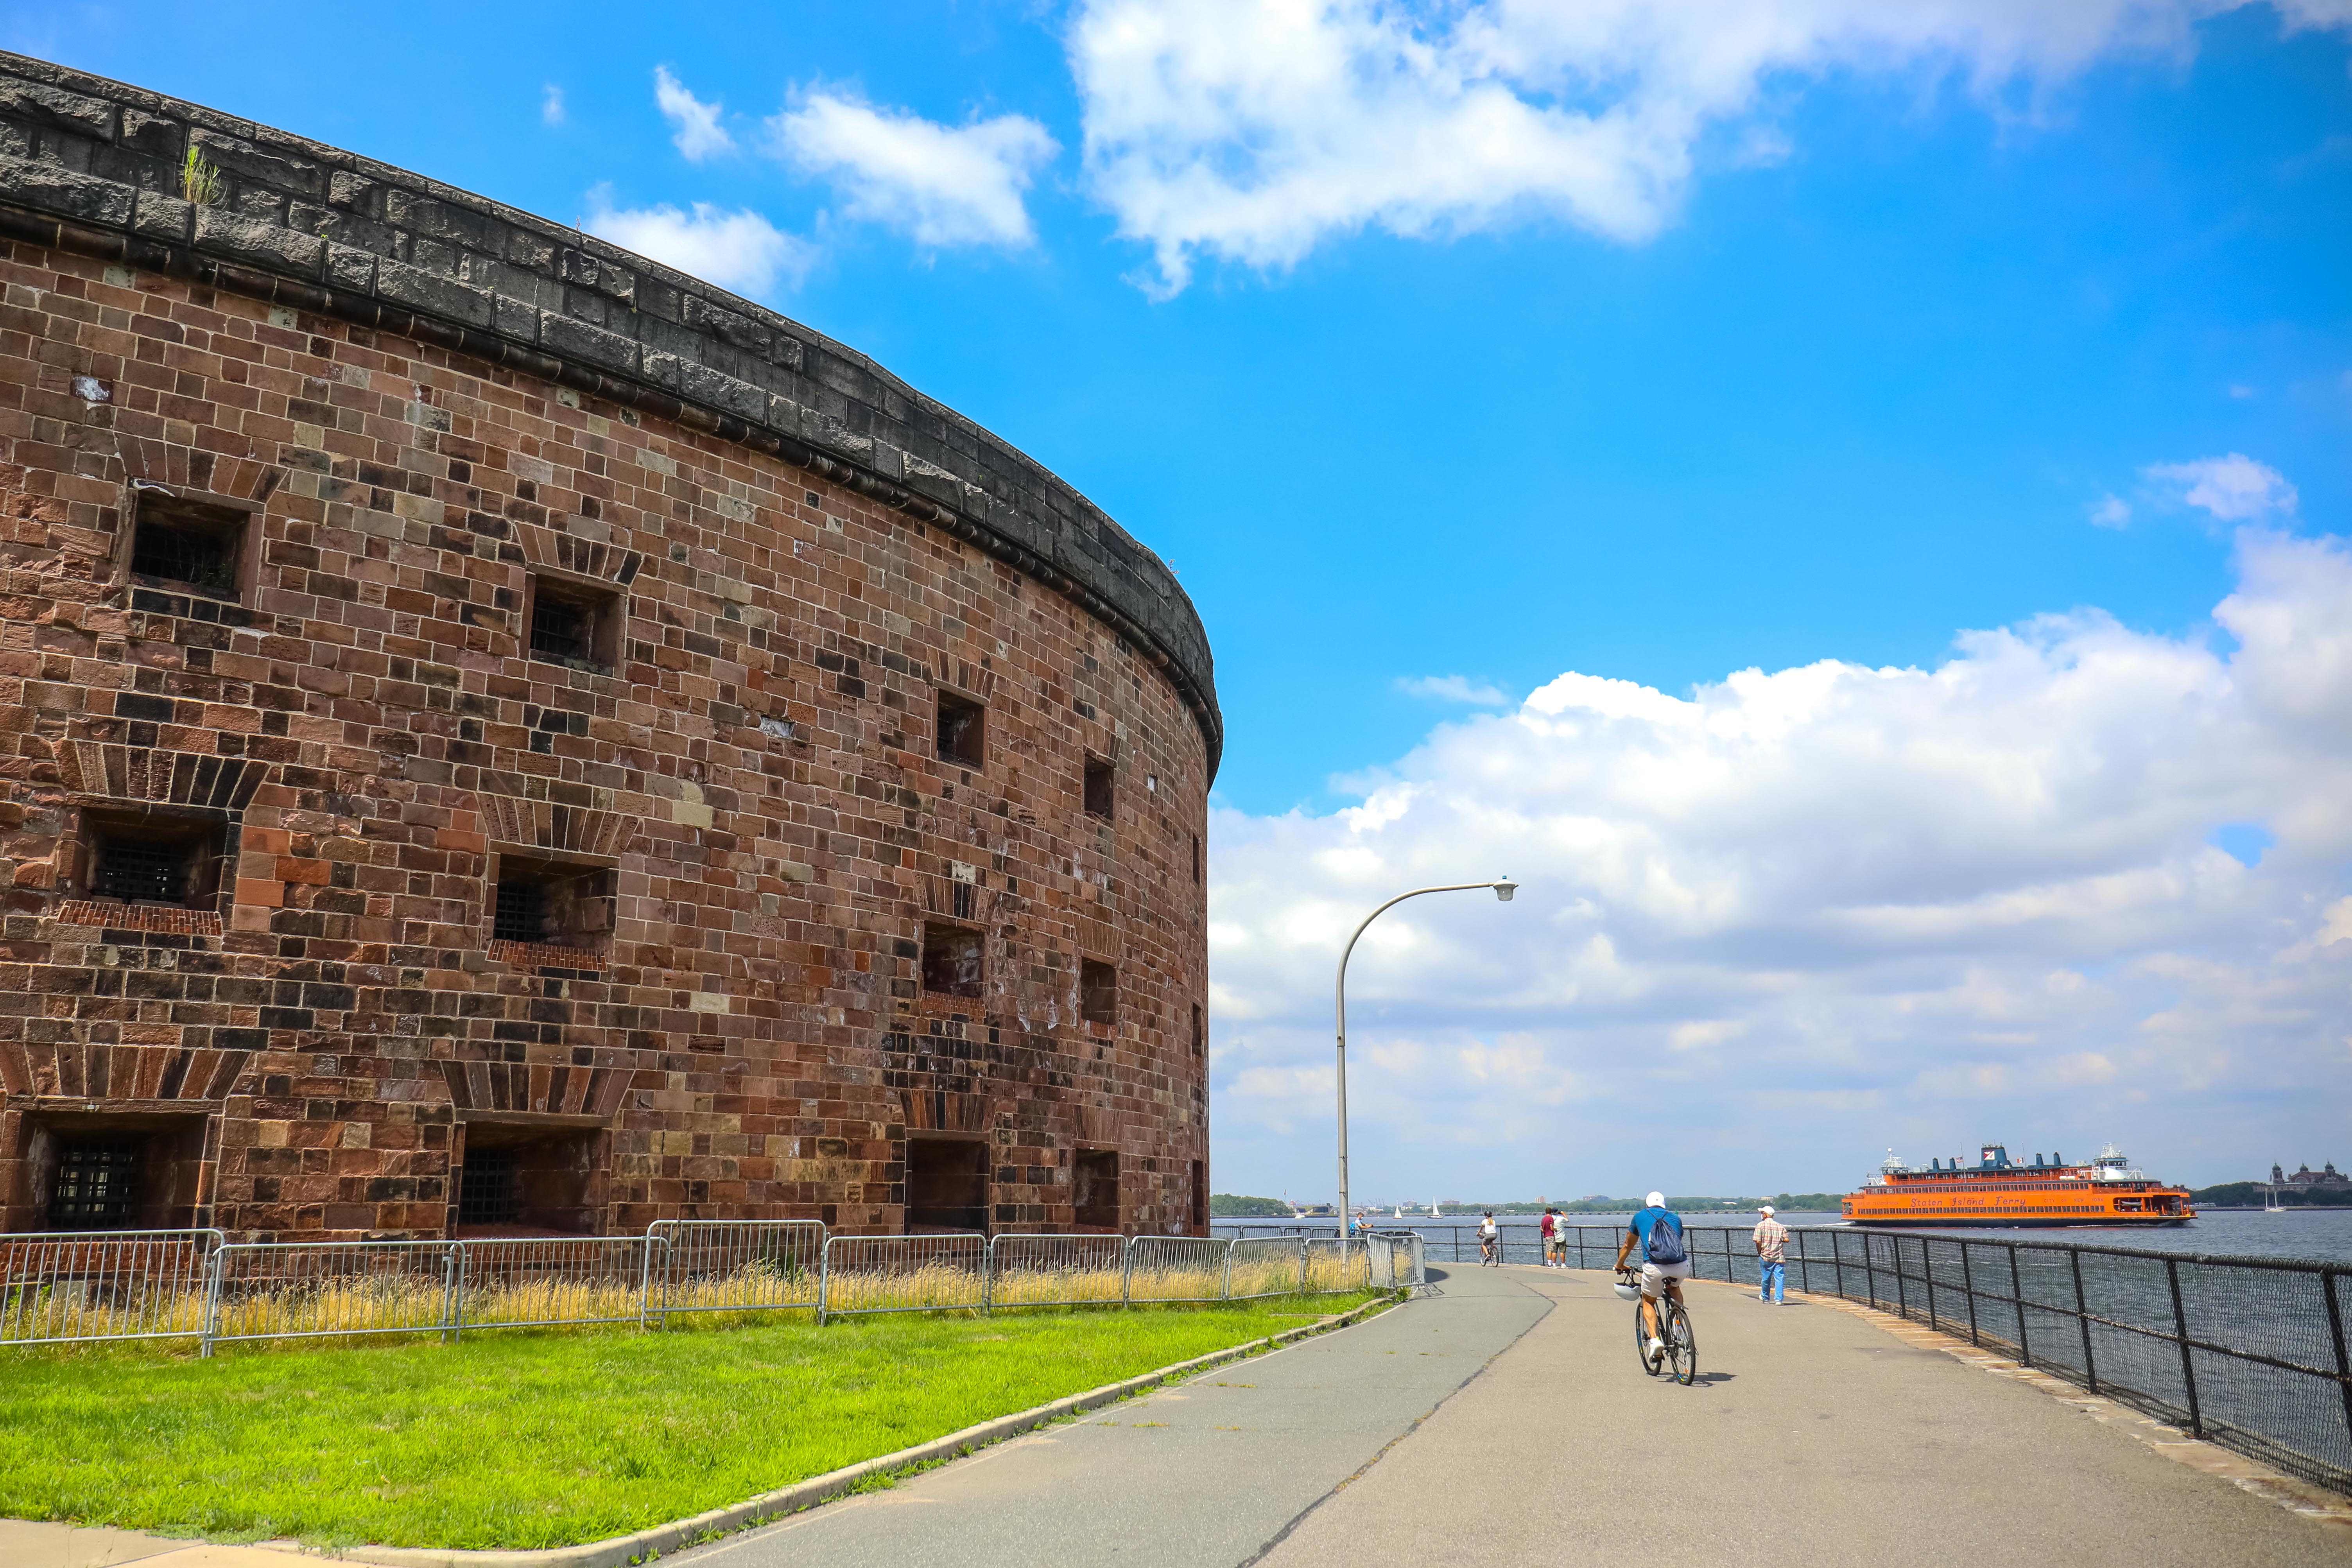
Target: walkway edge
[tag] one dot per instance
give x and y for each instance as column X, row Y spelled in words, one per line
column 703, row 1528
column 2323, row 1507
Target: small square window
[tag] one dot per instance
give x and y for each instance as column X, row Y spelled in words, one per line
column 95, row 1184
column 1094, row 1179
column 952, row 960
column 552, row 903
column 961, row 733
column 1098, row 992
column 947, row 1183
column 152, row 860
column 487, row 1190
column 1099, row 773
column 574, row 624
column 189, row 546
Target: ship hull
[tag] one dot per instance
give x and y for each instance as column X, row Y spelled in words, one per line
column 1995, row 1222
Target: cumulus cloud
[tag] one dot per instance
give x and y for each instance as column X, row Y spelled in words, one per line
column 2234, row 489
column 1454, row 688
column 695, row 126
column 738, row 250
column 944, row 184
column 550, row 105
column 2109, row 512
column 1250, row 130
column 2077, row 883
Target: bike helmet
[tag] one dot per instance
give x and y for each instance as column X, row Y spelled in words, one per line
column 1627, row 1290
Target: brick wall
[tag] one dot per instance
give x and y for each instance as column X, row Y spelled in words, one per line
column 360, row 724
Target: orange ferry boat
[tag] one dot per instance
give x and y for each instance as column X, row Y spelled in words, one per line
column 1997, row 1190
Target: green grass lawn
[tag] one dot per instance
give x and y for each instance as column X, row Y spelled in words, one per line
column 533, row 1439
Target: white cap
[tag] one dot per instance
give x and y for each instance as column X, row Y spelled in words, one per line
column 1657, row 1200
column 1768, row 1211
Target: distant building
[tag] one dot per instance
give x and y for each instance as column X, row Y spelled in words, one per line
column 2328, row 1179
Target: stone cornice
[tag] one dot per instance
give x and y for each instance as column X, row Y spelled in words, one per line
column 89, row 165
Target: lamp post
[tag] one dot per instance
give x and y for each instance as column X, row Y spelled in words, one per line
column 1503, row 888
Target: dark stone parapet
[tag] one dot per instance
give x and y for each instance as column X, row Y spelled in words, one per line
column 92, row 165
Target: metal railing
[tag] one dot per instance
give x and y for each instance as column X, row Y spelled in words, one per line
column 738, row 1266
column 103, row 1285
column 193, row 1284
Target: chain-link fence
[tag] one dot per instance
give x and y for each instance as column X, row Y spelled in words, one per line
column 112, row 1285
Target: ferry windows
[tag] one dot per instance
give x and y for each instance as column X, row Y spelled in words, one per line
column 961, row 731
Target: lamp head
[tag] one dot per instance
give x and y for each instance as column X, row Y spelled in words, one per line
column 1505, row 887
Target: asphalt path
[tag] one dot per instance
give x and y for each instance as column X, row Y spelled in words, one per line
column 1210, row 1471
column 1505, row 1420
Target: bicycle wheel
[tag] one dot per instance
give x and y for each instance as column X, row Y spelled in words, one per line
column 1641, row 1344
column 1682, row 1345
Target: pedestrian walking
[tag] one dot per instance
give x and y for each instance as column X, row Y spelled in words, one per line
column 1771, row 1272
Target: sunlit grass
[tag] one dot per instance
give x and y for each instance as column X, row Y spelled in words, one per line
column 536, row 1440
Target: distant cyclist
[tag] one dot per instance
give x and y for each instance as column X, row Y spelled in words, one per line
column 1665, row 1262
column 1489, row 1240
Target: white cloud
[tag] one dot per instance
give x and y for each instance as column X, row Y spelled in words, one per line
column 1250, row 130
column 944, row 184
column 2234, row 489
column 2109, row 512
column 737, row 250
column 551, row 106
column 697, row 132
column 1454, row 688
column 1768, row 928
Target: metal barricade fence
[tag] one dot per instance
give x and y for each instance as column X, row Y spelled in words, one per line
column 736, row 1266
column 1177, row 1269
column 104, row 1285
column 903, row 1274
column 1025, row 1270
column 1394, row 1258
column 555, row 1282
column 1333, row 1265
column 276, row 1291
column 1267, row 1266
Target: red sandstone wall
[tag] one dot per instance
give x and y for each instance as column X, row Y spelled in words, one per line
column 756, row 1041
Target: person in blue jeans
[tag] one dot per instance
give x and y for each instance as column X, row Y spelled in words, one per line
column 1771, row 1271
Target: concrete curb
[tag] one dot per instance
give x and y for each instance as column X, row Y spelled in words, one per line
column 703, row 1528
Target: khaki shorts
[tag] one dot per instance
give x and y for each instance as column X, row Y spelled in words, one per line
column 1653, row 1273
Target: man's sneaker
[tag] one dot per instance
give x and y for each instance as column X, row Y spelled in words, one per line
column 1657, row 1349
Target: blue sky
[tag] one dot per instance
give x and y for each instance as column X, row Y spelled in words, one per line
column 1878, row 334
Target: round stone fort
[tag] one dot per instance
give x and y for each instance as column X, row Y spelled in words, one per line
column 501, row 737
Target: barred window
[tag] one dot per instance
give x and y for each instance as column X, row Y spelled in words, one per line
column 188, row 545
column 488, row 1191
column 576, row 624
column 143, row 860
column 952, row 960
column 96, row 1186
column 961, row 731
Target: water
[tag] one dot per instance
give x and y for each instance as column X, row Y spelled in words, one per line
column 2315, row 1235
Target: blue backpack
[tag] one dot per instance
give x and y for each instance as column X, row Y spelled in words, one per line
column 1664, row 1241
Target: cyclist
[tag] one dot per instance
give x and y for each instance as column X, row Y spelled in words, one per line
column 1489, row 1238
column 1665, row 1262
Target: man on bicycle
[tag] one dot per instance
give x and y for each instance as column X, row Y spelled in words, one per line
column 1665, row 1262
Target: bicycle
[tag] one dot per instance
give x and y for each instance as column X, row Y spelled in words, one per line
column 1681, row 1358
column 1490, row 1251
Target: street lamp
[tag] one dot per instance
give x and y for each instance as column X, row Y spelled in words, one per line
column 1503, row 888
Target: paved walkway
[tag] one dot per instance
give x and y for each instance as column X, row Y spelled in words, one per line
column 1504, row 1421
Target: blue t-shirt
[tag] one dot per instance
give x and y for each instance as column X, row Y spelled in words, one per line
column 1640, row 1223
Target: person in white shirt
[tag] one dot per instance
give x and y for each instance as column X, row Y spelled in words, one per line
column 1490, row 1245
